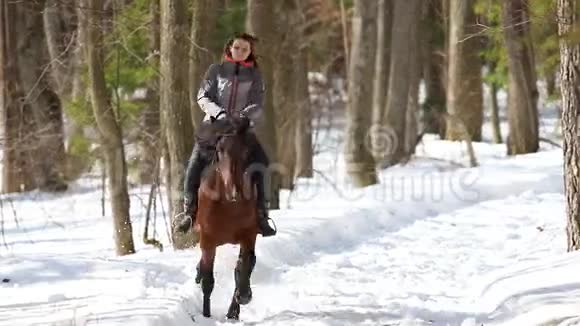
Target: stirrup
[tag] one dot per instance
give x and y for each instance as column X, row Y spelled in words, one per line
column 267, row 221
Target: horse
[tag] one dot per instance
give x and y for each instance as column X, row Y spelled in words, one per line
column 227, row 214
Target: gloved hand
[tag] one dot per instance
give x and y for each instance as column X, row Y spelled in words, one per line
column 241, row 124
column 221, row 115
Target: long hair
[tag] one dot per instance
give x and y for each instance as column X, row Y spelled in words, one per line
column 246, row 37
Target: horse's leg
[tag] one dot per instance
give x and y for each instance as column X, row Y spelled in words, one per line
column 242, row 273
column 244, row 269
column 206, row 275
column 234, row 310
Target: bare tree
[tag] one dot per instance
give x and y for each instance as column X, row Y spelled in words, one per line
column 175, row 105
column 284, row 88
column 60, row 29
column 401, row 80
column 495, row 121
column 73, row 87
column 568, row 19
column 150, row 122
column 205, row 15
column 434, row 65
column 382, row 66
column 360, row 164
column 304, row 147
column 33, row 63
column 411, row 119
column 522, row 89
column 464, row 84
column 303, row 142
column 109, row 129
column 16, row 119
column 260, row 21
column 62, row 32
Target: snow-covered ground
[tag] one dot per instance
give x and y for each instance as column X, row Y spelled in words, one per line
column 433, row 244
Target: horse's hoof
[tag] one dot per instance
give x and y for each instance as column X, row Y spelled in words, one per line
column 245, row 298
column 206, row 315
column 232, row 317
column 197, row 279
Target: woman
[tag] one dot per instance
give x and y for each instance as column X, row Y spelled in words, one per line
column 234, row 88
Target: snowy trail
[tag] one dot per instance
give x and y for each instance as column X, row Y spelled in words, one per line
column 360, row 266
column 423, row 274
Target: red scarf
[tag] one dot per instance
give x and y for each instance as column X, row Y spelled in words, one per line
column 243, row 63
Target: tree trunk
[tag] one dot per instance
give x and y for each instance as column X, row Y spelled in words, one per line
column 495, row 122
column 62, row 32
column 61, row 38
column 522, row 89
column 284, row 92
column 49, row 151
column 412, row 128
column 303, row 142
column 404, row 36
column 382, row 68
column 360, row 164
column 551, row 84
column 568, row 19
column 53, row 32
column 175, row 105
column 150, row 134
column 464, row 85
column 16, row 117
column 76, row 163
column 205, row 15
column 303, row 132
column 260, row 21
column 433, row 51
column 109, row 129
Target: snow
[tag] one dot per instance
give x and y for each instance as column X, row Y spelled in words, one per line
column 434, row 244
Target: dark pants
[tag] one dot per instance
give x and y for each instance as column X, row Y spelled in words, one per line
column 258, row 163
column 200, row 158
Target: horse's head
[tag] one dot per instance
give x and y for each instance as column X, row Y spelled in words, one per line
column 232, row 151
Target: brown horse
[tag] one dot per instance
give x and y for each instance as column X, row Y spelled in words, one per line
column 227, row 214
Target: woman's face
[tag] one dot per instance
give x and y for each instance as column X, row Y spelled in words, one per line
column 240, row 50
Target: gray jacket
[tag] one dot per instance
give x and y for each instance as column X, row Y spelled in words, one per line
column 233, row 88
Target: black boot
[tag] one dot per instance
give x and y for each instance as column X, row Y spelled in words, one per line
column 186, row 219
column 197, row 163
column 258, row 156
column 263, row 226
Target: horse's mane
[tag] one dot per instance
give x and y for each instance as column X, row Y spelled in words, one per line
column 209, row 133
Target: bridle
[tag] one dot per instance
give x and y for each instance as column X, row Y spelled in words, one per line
column 215, row 159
